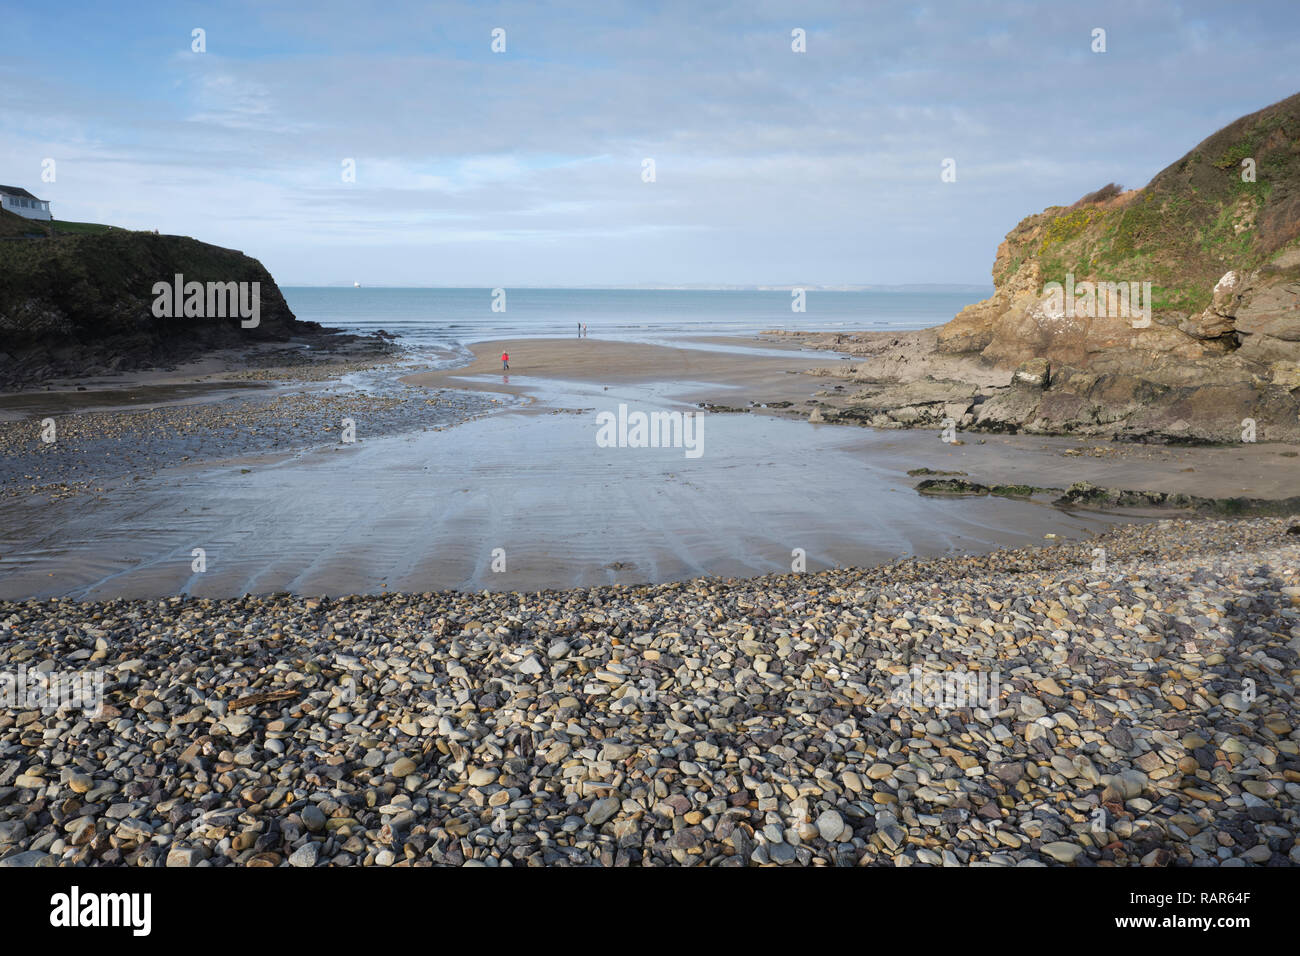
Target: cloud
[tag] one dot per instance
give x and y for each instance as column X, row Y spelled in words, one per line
column 525, row 167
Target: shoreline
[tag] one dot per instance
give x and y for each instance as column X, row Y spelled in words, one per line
column 297, row 360
column 692, row 374
column 820, row 718
column 453, row 464
column 746, row 384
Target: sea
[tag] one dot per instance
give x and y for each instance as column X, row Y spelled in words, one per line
column 453, row 318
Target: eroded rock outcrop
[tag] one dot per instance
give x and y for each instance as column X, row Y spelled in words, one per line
column 1167, row 313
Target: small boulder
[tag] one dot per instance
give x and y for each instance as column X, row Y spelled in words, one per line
column 1036, row 373
column 602, row 810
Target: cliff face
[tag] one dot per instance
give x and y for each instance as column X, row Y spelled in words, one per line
column 1217, row 339
column 84, row 304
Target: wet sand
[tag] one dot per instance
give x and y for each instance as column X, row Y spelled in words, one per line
column 215, row 377
column 757, row 371
column 110, row 434
column 427, row 511
column 23, row 405
column 529, row 490
column 711, row 369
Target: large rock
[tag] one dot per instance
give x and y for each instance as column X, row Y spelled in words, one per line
column 922, row 403
column 1215, row 340
column 1217, row 320
column 1036, row 373
column 1272, row 311
column 1104, row 405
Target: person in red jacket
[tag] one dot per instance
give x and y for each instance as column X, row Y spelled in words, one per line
column 505, row 361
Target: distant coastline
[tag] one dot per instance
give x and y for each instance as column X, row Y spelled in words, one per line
column 974, row 288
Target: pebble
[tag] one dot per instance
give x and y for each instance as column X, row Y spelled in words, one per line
column 312, row 818
column 237, row 724
column 602, row 810
column 185, row 856
column 1062, row 852
column 305, row 855
column 709, row 722
column 830, row 825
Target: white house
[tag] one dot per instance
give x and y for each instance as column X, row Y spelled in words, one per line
column 19, row 200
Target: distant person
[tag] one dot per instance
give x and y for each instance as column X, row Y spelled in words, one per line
column 505, row 361
column 584, row 330
column 579, row 330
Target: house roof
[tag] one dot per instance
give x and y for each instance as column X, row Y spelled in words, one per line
column 18, row 191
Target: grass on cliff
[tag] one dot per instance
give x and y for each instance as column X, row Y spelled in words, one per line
column 14, row 226
column 1192, row 223
column 98, row 282
column 79, row 228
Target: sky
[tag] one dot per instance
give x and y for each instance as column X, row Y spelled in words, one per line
column 528, row 167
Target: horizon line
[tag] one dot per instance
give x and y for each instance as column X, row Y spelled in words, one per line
column 685, row 287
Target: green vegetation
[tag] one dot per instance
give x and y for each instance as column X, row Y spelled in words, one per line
column 1192, row 223
column 951, row 486
column 1085, row 494
column 14, row 225
column 1236, row 153
column 79, row 228
column 917, row 472
column 1067, row 226
column 1013, row 491
column 98, row 282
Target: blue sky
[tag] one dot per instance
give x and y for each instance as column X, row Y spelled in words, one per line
column 525, row 167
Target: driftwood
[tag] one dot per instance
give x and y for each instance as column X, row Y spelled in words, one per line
column 257, row 700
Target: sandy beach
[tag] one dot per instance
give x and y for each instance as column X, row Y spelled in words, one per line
column 463, row 477
column 475, row 636
column 752, row 373
column 426, row 509
column 709, row 369
column 875, row 481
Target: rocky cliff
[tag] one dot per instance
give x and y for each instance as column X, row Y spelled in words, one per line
column 1169, row 312
column 82, row 304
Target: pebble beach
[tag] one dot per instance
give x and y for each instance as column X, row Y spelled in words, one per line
column 1145, row 716
column 637, row 440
